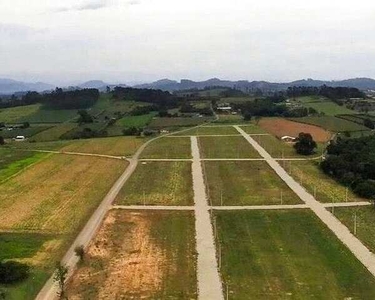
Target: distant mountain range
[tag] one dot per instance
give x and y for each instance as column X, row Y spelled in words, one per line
column 185, row 84
column 9, row 86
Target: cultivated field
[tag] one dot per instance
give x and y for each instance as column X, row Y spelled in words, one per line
column 54, row 133
column 139, row 255
column 12, row 162
column 331, row 123
column 230, row 119
column 281, row 127
column 253, row 129
column 311, row 177
column 119, row 146
column 26, row 132
column 245, row 183
column 45, row 115
column 158, row 183
column 210, row 130
column 178, row 147
column 57, row 194
column 226, row 147
column 287, row 255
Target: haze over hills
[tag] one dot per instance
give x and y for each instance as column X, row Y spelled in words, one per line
column 9, row 86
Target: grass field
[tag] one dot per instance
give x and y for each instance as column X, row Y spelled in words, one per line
column 331, row 123
column 246, row 183
column 15, row 114
column 280, row 127
column 57, row 194
column 365, row 218
column 309, row 174
column 54, row 145
column 158, row 123
column 158, row 183
column 324, row 105
column 287, row 255
column 226, row 147
column 45, row 115
column 36, row 250
column 54, row 133
column 166, row 147
column 12, row 162
column 120, row 146
column 253, row 129
column 136, row 121
column 280, row 149
column 210, row 130
column 139, row 255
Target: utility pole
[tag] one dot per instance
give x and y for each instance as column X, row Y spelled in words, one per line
column 221, row 197
column 144, row 199
column 346, row 194
column 315, row 192
column 219, row 256
column 281, row 198
column 227, row 291
column 355, row 223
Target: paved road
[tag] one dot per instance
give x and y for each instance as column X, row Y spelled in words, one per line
column 366, row 257
column 209, row 283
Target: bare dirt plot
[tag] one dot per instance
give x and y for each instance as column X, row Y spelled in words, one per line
column 139, row 255
column 246, row 183
column 313, row 179
column 166, row 147
column 226, row 147
column 120, row 146
column 58, row 193
column 158, row 183
column 281, row 127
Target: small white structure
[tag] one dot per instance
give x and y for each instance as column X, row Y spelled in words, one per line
column 288, row 139
column 20, row 138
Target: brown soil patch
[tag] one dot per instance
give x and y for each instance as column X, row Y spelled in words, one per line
column 281, row 127
column 122, row 262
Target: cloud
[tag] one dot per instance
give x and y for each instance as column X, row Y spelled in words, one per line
column 88, row 5
column 94, row 5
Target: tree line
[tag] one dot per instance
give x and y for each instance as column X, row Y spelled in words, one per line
column 352, row 162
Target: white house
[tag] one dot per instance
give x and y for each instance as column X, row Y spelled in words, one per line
column 288, row 139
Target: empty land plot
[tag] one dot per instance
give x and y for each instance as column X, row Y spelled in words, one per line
column 312, row 178
column 331, row 123
column 139, row 255
column 226, row 147
column 54, row 133
column 39, row 251
column 287, row 255
column 230, row 119
column 246, row 183
column 253, row 129
column 158, row 183
column 48, row 146
column 15, row 114
column 210, row 130
column 282, row 127
column 13, row 161
column 365, row 219
column 174, row 148
column 120, row 146
column 57, row 194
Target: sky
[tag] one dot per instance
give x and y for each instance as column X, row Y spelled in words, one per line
column 122, row 41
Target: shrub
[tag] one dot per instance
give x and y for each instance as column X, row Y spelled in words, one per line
column 13, row 272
